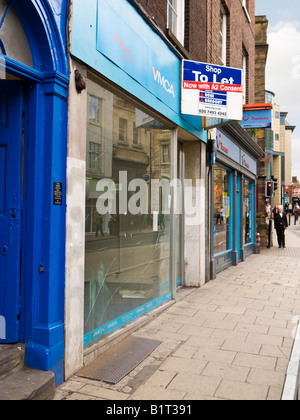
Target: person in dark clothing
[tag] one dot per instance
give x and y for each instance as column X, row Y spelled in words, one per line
column 99, row 225
column 281, row 223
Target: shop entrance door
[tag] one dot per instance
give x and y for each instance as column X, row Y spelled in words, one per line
column 179, row 237
column 11, row 115
column 238, row 216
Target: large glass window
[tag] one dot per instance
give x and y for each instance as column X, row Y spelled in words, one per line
column 248, row 201
column 127, row 260
column 222, row 210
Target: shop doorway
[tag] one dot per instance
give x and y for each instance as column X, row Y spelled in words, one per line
column 239, row 244
column 11, row 132
column 179, row 237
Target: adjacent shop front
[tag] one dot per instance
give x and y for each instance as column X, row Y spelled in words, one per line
column 127, row 142
column 233, row 198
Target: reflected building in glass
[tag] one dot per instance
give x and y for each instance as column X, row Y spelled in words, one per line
column 127, row 256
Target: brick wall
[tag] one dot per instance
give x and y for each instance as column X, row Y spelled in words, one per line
column 157, row 9
column 261, row 52
column 195, row 29
column 240, row 37
column 202, row 32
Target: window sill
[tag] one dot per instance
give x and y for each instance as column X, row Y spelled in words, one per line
column 178, row 44
column 123, row 143
column 137, row 147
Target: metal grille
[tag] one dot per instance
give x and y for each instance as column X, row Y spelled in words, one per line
column 120, row 360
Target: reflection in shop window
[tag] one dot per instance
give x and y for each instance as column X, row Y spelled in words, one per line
column 94, row 156
column 122, row 130
column 165, row 153
column 135, row 135
column 127, row 259
column 94, row 110
column 222, row 210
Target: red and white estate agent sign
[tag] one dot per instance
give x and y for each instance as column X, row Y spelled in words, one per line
column 211, row 91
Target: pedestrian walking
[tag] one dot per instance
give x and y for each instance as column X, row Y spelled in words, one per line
column 99, row 225
column 268, row 210
column 281, row 224
column 296, row 212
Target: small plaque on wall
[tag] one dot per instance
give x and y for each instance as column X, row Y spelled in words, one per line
column 57, row 193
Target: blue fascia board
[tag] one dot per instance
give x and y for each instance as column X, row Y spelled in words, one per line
column 117, row 76
column 85, row 47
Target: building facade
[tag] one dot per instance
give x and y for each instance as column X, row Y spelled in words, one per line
column 126, row 131
column 34, row 78
column 279, row 152
column 125, row 253
column 233, row 152
column 233, row 202
column 119, row 197
column 276, row 141
column 261, row 55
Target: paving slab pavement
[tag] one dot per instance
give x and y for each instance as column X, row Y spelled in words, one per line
column 229, row 340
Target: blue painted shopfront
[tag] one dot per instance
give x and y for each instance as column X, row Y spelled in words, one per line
column 118, row 45
column 114, row 39
column 234, row 210
column 33, row 147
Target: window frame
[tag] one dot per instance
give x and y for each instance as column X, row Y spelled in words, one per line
column 163, row 155
column 123, row 132
column 178, row 10
column 96, row 121
column 97, row 155
column 223, row 36
column 245, row 76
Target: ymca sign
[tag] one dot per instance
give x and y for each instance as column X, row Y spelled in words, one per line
column 211, row 91
column 167, row 86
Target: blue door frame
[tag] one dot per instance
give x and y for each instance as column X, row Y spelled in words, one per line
column 45, row 150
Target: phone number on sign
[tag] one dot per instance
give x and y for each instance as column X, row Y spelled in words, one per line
column 221, row 114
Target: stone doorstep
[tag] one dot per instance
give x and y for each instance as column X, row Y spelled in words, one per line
column 28, row 384
column 11, row 359
column 20, row 383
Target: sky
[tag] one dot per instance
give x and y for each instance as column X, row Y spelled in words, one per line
column 283, row 65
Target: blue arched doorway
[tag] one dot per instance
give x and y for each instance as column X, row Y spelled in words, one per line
column 34, row 80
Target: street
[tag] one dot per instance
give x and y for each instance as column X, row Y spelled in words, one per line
column 229, row 340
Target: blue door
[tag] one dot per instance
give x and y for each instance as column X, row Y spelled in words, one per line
column 11, row 116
